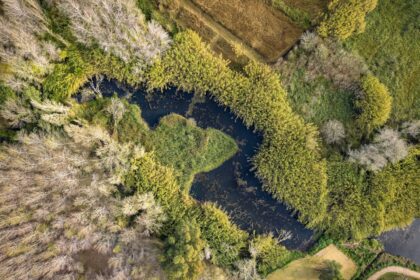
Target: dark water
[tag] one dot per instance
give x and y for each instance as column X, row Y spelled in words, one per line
column 232, row 186
column 404, row 242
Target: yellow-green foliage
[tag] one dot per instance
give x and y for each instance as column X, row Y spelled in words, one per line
column 67, row 77
column 131, row 127
column 361, row 206
column 375, row 104
column 398, row 187
column 288, row 161
column 80, row 64
column 345, row 17
column 188, row 149
column 183, row 251
column 352, row 212
column 224, row 239
column 270, row 254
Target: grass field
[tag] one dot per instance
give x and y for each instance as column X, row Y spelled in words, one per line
column 391, row 47
column 308, row 268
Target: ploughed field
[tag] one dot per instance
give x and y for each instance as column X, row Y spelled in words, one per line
column 246, row 29
column 267, row 30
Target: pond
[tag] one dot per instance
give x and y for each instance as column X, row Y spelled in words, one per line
column 404, row 242
column 233, row 185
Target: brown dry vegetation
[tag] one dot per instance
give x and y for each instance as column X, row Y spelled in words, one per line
column 266, row 30
column 312, row 7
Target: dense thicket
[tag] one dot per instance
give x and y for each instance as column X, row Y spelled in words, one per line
column 288, row 161
column 23, row 58
column 398, row 186
column 345, row 17
column 60, row 212
column 184, row 251
column 374, row 103
column 363, row 204
column 117, row 27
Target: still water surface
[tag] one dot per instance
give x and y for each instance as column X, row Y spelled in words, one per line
column 233, row 185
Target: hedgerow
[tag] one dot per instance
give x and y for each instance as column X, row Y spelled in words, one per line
column 288, row 162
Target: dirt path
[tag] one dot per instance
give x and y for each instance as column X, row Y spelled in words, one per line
column 395, row 269
column 221, row 30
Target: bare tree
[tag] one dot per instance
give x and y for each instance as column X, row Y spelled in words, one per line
column 118, row 27
column 28, row 58
column 387, row 147
column 333, row 132
column 56, row 202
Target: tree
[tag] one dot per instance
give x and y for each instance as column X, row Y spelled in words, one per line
column 387, row 147
column 345, row 17
column 374, row 103
column 333, row 132
column 331, row 271
column 117, row 27
column 183, row 251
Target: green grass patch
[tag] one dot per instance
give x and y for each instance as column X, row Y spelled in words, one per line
column 318, row 101
column 390, row 45
column 188, row 149
column 396, row 276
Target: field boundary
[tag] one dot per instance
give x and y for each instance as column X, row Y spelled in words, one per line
column 220, row 31
column 395, row 269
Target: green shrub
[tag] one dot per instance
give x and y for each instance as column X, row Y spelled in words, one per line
column 288, row 162
column 68, row 76
column 353, row 213
column 397, row 186
column 225, row 239
column 270, row 254
column 331, row 271
column 183, row 249
column 375, row 104
column 79, row 64
column 345, row 17
column 5, row 93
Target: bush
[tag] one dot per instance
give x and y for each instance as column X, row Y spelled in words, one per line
column 226, row 240
column 397, row 186
column 331, row 271
column 183, row 252
column 68, row 76
column 374, row 103
column 288, row 162
column 270, row 255
column 352, row 213
column 345, row 17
